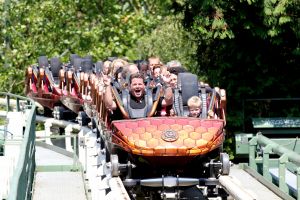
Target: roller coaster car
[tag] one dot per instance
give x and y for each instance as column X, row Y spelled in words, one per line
column 77, row 87
column 60, row 89
column 171, row 153
column 41, row 83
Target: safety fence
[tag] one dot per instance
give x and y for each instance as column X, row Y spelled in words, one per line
column 46, row 138
column 70, row 140
column 277, row 164
column 20, row 183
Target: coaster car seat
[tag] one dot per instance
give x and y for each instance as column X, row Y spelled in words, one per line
column 152, row 97
column 188, row 86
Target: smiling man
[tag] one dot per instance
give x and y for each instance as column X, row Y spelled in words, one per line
column 138, row 103
column 137, row 91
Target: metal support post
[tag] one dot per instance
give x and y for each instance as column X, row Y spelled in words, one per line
column 82, row 152
column 7, row 103
column 68, row 133
column 266, row 164
column 75, row 163
column 282, row 167
column 298, row 183
column 18, row 105
column 252, row 148
column 48, row 125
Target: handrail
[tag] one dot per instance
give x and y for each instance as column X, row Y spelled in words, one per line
column 21, row 182
column 279, row 149
column 286, row 157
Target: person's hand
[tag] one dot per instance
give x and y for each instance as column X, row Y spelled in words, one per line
column 167, row 77
column 172, row 112
column 211, row 114
column 152, row 84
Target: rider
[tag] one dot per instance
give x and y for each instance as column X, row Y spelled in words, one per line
column 195, row 106
column 137, row 93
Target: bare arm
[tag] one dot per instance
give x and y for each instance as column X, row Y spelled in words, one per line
column 109, row 100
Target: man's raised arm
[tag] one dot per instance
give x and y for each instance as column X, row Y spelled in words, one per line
column 109, row 101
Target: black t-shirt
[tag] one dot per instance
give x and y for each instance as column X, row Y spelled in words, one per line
column 137, row 104
column 117, row 114
column 134, row 104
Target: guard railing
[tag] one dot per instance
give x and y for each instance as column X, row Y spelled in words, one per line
column 277, row 164
column 23, row 174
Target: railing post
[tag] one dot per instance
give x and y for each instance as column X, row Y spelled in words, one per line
column 7, row 103
column 266, row 162
column 281, row 172
column 75, row 166
column 252, row 147
column 298, row 183
column 48, row 125
column 68, row 133
column 18, row 105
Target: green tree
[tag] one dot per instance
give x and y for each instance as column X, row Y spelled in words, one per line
column 56, row 28
column 251, row 48
column 169, row 41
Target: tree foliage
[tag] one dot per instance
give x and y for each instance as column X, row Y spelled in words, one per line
column 56, row 28
column 169, row 41
column 249, row 47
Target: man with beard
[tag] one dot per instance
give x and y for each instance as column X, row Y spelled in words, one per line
column 137, row 102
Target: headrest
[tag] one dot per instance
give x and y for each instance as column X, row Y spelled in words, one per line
column 188, row 86
column 43, row 62
column 72, row 58
column 55, row 66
